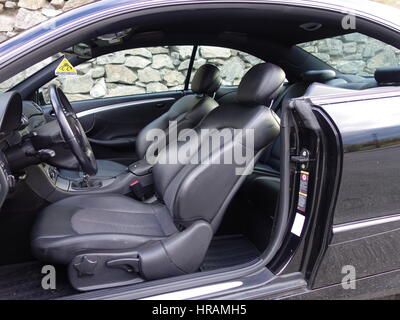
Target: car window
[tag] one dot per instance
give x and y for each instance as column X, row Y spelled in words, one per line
column 140, row 71
column 354, row 53
column 128, row 72
column 233, row 64
column 18, row 78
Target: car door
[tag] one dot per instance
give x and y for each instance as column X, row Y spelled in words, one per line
column 356, row 228
column 112, row 124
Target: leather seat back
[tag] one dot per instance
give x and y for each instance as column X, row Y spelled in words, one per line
column 271, row 159
column 201, row 191
column 187, row 111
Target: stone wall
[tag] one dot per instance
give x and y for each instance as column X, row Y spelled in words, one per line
column 19, row 15
column 149, row 70
column 354, row 53
column 143, row 70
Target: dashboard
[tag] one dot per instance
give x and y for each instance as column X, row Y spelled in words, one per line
column 10, row 120
column 10, row 112
column 17, row 119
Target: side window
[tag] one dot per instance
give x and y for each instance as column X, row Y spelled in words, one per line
column 19, row 77
column 128, row 72
column 233, row 64
column 354, row 53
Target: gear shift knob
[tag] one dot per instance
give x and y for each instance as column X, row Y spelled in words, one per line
column 87, row 183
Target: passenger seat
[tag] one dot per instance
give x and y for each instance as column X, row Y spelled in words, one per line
column 188, row 111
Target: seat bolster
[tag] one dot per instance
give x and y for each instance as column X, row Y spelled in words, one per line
column 142, row 143
column 181, row 253
column 113, row 202
column 188, row 111
column 61, row 250
column 97, row 222
column 60, row 225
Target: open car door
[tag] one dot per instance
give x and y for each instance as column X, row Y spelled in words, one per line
column 347, row 190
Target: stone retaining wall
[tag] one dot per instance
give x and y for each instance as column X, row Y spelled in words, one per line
column 19, row 15
column 149, row 70
column 354, row 53
column 143, row 70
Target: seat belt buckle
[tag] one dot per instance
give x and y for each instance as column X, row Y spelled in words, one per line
column 137, row 190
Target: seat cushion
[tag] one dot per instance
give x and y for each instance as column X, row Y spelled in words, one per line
column 105, row 169
column 97, row 222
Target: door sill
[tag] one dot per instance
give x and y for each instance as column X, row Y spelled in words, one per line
column 218, row 284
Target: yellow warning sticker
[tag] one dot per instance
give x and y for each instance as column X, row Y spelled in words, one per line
column 65, row 68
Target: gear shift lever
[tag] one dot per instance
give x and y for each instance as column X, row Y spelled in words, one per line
column 86, row 183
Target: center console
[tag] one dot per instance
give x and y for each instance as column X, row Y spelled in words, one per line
column 45, row 180
column 83, row 184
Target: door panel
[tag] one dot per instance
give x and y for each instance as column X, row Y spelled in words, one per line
column 365, row 233
column 370, row 131
column 112, row 124
column 115, row 124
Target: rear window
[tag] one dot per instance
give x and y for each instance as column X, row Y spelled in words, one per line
column 354, row 53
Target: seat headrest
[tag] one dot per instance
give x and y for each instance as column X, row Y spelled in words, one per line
column 261, row 84
column 387, row 75
column 207, row 79
column 318, row 75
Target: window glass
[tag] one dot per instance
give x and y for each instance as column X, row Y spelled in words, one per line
column 233, row 64
column 128, row 72
column 354, row 53
column 18, row 78
column 140, row 71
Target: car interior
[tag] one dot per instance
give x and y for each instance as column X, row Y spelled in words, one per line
column 82, row 195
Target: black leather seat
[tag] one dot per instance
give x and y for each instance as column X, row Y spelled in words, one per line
column 187, row 112
column 112, row 239
column 270, row 161
column 94, row 222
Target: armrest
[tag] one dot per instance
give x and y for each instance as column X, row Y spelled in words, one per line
column 115, row 143
column 141, row 168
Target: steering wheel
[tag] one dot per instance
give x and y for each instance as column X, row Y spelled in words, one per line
column 72, row 131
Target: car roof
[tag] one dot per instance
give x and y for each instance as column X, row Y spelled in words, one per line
column 375, row 11
column 277, row 31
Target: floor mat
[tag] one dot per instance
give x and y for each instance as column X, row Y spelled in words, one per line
column 228, row 251
column 23, row 282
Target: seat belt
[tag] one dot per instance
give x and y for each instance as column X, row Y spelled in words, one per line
column 279, row 99
column 276, row 105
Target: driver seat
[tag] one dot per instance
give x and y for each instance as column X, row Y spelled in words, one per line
column 112, row 240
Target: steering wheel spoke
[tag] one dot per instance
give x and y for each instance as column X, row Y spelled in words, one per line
column 72, row 131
